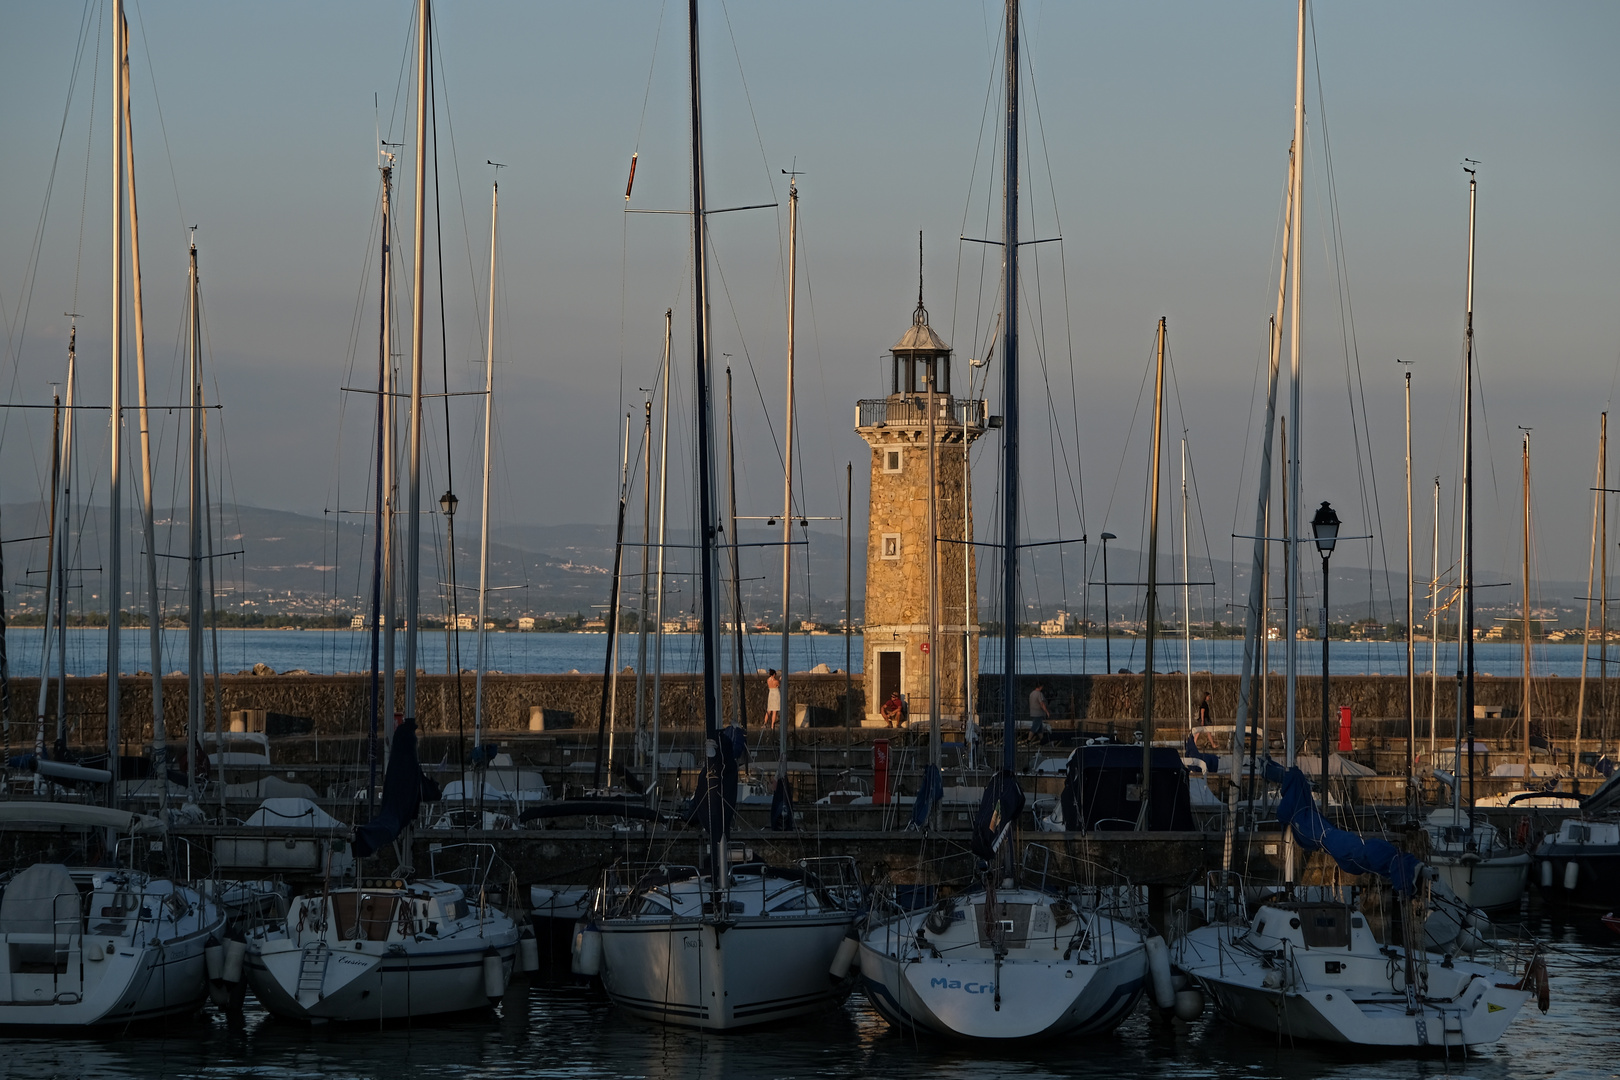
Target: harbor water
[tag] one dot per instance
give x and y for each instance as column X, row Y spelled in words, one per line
column 326, row 652
column 554, row 1027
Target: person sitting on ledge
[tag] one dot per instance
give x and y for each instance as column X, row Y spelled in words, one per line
column 894, row 710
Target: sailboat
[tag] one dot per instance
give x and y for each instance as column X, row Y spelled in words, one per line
column 1009, row 958
column 395, row 947
column 1316, row 969
column 1468, row 852
column 731, row 943
column 82, row 946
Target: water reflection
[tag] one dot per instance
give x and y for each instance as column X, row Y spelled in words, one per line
column 555, row 1028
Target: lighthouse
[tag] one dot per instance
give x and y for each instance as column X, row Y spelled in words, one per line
column 919, row 435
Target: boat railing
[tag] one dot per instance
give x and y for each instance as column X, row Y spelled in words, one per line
column 625, row 884
column 476, row 867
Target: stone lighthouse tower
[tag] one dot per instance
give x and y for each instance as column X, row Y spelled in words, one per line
column 919, row 435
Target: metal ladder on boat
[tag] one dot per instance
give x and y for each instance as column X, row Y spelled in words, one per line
column 312, row 973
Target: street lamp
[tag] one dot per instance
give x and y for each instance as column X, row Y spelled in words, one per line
column 448, row 503
column 1325, row 527
column 1108, row 622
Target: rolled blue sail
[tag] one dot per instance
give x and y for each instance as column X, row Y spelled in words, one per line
column 1354, row 854
column 401, row 795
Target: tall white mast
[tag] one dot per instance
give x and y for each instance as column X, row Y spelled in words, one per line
column 1186, row 585
column 194, row 664
column 787, row 479
column 148, row 526
column 1295, row 339
column 1434, row 621
column 413, row 506
column 115, row 491
column 489, row 415
column 658, row 602
column 1411, row 630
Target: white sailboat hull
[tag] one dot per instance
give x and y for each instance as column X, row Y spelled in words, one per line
column 1494, row 882
column 1024, row 999
column 719, row 976
column 377, row 980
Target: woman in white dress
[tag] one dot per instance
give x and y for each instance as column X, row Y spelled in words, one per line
column 773, row 698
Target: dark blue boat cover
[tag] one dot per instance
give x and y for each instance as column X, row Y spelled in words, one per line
column 401, row 794
column 929, row 793
column 1003, row 802
column 1354, row 854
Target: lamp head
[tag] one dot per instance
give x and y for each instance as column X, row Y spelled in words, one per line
column 1325, row 526
column 1109, row 536
column 448, row 503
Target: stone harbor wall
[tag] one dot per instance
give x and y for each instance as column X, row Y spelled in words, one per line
column 339, row 705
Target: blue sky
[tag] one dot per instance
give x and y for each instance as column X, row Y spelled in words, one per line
column 1157, row 142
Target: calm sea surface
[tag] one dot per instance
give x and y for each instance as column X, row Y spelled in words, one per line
column 553, row 1028
column 324, row 652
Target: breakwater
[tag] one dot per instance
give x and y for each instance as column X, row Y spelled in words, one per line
column 339, row 705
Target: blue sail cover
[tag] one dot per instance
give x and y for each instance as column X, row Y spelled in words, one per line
column 929, row 792
column 782, row 806
column 401, row 795
column 715, row 800
column 998, row 813
column 1354, row 854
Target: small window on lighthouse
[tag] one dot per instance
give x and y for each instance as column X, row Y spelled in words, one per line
column 891, row 461
column 891, row 545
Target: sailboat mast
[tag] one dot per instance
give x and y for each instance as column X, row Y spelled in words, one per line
column 1295, row 340
column 194, row 664
column 1255, row 650
column 382, row 578
column 608, row 716
column 1524, row 710
column 1009, row 394
column 646, row 583
column 1151, row 604
column 1467, row 674
column 154, row 623
column 483, row 512
column 1598, row 498
column 787, row 477
column 1186, row 587
column 1411, row 630
column 708, row 519
column 1434, row 622
column 739, row 710
column 115, row 488
column 413, row 504
column 663, row 518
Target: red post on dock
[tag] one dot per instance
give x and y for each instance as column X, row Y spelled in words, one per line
column 880, row 772
column 1344, row 729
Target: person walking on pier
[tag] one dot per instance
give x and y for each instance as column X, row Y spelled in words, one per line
column 1205, row 713
column 1039, row 713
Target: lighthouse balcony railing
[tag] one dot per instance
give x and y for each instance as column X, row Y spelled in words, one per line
column 911, row 410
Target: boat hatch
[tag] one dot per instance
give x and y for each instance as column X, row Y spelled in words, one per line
column 1324, row 926
column 364, row 915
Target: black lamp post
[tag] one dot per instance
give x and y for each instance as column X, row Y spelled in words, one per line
column 448, row 503
column 1325, row 527
column 1108, row 621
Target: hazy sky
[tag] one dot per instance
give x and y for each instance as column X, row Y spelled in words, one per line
column 1156, row 147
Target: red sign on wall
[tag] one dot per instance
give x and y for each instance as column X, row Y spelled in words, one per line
column 925, row 646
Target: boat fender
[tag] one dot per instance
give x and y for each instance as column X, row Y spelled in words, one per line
column 1479, row 922
column 1535, row 981
column 1164, row 991
column 1546, row 873
column 1572, row 874
column 587, row 951
column 235, row 954
column 844, row 958
column 1468, row 941
column 529, row 951
column 1272, row 980
column 1181, row 981
column 494, row 975
column 93, row 951
column 1189, row 1005
column 214, row 958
